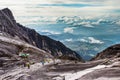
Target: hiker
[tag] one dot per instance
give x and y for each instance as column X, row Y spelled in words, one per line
column 48, row 60
column 26, row 62
column 28, row 65
column 43, row 61
column 54, row 60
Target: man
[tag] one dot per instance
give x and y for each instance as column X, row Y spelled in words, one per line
column 26, row 62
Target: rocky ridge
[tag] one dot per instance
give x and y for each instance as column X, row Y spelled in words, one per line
column 11, row 29
column 110, row 52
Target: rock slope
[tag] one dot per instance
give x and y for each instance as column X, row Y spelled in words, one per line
column 110, row 52
column 10, row 28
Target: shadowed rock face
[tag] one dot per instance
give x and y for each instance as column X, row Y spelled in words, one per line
column 6, row 49
column 110, row 52
column 9, row 28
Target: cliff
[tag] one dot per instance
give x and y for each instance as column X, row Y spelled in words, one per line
column 11, row 29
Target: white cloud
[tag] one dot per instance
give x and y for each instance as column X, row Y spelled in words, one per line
column 83, row 40
column 69, row 40
column 86, row 24
column 118, row 23
column 96, row 49
column 33, row 8
column 78, row 21
column 92, row 55
column 68, row 30
column 92, row 40
column 51, row 32
column 29, row 7
column 36, row 20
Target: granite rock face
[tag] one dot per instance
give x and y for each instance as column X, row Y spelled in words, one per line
column 10, row 28
column 110, row 52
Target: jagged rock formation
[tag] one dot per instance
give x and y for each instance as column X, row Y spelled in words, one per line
column 110, row 52
column 10, row 28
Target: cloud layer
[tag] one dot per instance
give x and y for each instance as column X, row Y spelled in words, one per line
column 62, row 7
column 89, row 22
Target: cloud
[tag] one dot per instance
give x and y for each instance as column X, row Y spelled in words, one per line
column 78, row 21
column 61, row 7
column 75, row 21
column 50, row 32
column 68, row 30
column 69, row 40
column 103, row 21
column 83, row 40
column 89, row 25
column 86, row 24
column 118, row 22
column 68, row 20
column 92, row 55
column 96, row 49
column 66, row 5
column 36, row 20
column 92, row 40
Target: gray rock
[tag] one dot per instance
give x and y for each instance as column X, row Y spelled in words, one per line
column 25, row 77
column 110, row 52
column 9, row 28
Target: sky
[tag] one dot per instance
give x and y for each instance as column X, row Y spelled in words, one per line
column 62, row 7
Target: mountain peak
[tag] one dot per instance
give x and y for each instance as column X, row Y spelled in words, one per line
column 8, row 13
column 6, row 9
column 16, row 30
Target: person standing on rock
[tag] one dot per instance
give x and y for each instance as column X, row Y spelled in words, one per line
column 28, row 65
column 43, row 61
column 25, row 57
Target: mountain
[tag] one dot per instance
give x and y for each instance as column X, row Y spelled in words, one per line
column 12, row 30
column 110, row 52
